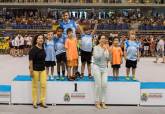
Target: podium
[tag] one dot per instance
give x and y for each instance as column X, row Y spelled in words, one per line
column 152, row 94
column 121, row 92
column 21, row 89
column 58, row 92
column 5, row 94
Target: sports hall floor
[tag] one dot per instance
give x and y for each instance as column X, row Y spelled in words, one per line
column 147, row 72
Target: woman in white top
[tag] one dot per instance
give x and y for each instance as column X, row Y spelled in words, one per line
column 100, row 61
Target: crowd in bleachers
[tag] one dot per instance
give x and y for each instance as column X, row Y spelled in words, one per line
column 114, row 21
column 26, row 23
column 107, row 21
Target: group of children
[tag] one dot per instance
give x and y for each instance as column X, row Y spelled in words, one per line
column 64, row 50
column 130, row 54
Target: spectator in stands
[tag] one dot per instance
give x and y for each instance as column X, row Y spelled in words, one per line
column 29, row 42
column 160, row 50
column 11, row 45
column 17, row 44
column 21, row 45
column 152, row 46
column 146, row 46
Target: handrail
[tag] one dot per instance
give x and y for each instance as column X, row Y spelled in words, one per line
column 85, row 5
column 96, row 30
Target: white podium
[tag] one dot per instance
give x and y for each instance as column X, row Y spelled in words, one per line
column 76, row 92
column 5, row 94
column 58, row 92
column 21, row 90
column 120, row 92
column 152, row 94
column 123, row 92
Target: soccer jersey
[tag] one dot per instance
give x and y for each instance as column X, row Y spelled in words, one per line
column 132, row 49
column 116, row 55
column 71, row 46
column 86, row 42
column 70, row 24
column 59, row 44
column 49, row 49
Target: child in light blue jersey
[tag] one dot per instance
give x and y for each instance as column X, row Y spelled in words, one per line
column 50, row 54
column 59, row 41
column 86, row 47
column 131, row 54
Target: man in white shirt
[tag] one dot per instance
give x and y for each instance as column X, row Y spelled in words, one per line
column 21, row 45
column 28, row 43
column 160, row 50
column 16, row 45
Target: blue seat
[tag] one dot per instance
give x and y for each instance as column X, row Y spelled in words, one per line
column 148, row 27
column 106, row 26
column 119, row 26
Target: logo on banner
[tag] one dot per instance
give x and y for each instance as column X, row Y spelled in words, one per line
column 146, row 96
column 74, row 95
column 66, row 97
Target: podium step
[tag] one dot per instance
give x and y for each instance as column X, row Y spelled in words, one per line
column 5, row 94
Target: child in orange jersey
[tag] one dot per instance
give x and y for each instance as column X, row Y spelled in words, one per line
column 116, row 60
column 71, row 54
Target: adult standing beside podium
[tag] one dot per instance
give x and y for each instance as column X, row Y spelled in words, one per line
column 37, row 70
column 100, row 61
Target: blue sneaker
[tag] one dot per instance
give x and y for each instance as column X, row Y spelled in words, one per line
column 57, row 77
column 114, row 78
column 62, row 78
column 90, row 76
column 51, row 78
column 117, row 78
